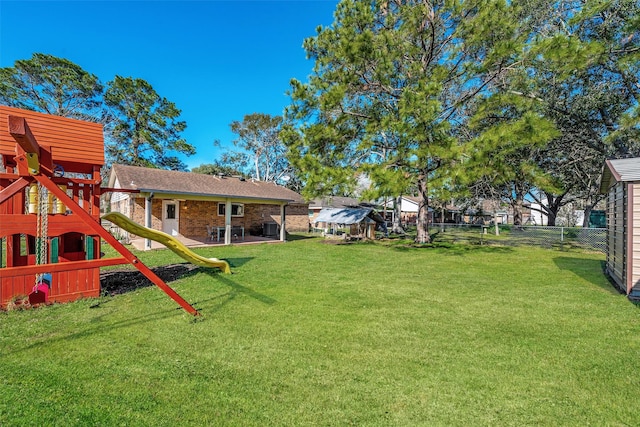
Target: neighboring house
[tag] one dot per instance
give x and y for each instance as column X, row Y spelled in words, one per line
column 191, row 204
column 488, row 211
column 538, row 217
column 408, row 209
column 621, row 183
column 449, row 214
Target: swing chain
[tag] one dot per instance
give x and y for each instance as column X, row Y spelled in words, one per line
column 42, row 228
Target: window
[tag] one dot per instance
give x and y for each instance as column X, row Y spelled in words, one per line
column 171, row 211
column 237, row 209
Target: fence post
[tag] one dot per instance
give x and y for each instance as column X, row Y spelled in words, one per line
column 562, row 234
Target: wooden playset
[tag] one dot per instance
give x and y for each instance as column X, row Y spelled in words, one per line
column 50, row 230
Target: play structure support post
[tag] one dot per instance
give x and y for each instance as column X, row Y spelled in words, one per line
column 95, row 225
column 147, row 219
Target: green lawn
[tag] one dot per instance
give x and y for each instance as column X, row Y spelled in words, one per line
column 309, row 333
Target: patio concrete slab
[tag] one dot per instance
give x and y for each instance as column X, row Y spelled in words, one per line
column 138, row 243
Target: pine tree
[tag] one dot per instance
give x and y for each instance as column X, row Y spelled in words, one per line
column 146, row 128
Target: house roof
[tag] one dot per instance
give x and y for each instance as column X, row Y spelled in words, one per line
column 407, row 204
column 619, row 170
column 413, row 199
column 195, row 184
column 410, row 204
column 334, row 202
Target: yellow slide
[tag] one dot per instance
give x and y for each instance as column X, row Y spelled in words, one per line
column 169, row 241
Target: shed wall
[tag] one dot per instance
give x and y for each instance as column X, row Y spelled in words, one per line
column 616, row 227
column 634, row 233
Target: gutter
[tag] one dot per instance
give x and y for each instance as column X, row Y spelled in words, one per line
column 223, row 196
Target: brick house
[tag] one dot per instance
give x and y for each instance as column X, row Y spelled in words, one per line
column 196, row 205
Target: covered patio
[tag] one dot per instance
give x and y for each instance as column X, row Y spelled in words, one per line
column 204, row 209
column 200, row 242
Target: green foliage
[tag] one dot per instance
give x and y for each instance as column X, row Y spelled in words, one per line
column 572, row 74
column 509, row 131
column 142, row 128
column 145, row 127
column 263, row 153
column 216, row 169
column 52, row 85
column 391, row 91
column 301, row 334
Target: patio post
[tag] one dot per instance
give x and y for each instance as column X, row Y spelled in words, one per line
column 283, row 223
column 227, row 222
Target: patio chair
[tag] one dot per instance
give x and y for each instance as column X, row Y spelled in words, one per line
column 209, row 233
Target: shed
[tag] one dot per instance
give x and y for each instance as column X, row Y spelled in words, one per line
column 621, row 183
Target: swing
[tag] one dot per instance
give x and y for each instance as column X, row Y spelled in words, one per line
column 40, row 292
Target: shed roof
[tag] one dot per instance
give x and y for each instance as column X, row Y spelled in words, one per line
column 196, row 184
column 344, row 216
column 619, row 170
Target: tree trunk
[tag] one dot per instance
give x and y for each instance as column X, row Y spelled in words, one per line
column 422, row 235
column 590, row 203
column 256, row 162
column 517, row 209
column 587, row 213
column 553, row 207
column 397, row 216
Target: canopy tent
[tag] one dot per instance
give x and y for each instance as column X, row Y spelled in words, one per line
column 346, row 216
column 361, row 221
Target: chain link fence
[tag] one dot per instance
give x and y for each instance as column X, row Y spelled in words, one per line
column 592, row 239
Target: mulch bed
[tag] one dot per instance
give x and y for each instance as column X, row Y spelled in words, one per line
column 119, row 281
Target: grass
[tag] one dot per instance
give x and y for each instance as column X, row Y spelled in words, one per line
column 309, row 333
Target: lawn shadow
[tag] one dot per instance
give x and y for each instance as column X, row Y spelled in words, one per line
column 453, row 249
column 235, row 290
column 586, row 269
column 294, row 237
column 120, row 281
column 95, row 326
column 238, row 262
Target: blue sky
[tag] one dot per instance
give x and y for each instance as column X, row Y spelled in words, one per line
column 216, row 60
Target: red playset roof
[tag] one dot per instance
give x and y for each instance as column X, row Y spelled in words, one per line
column 75, row 145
